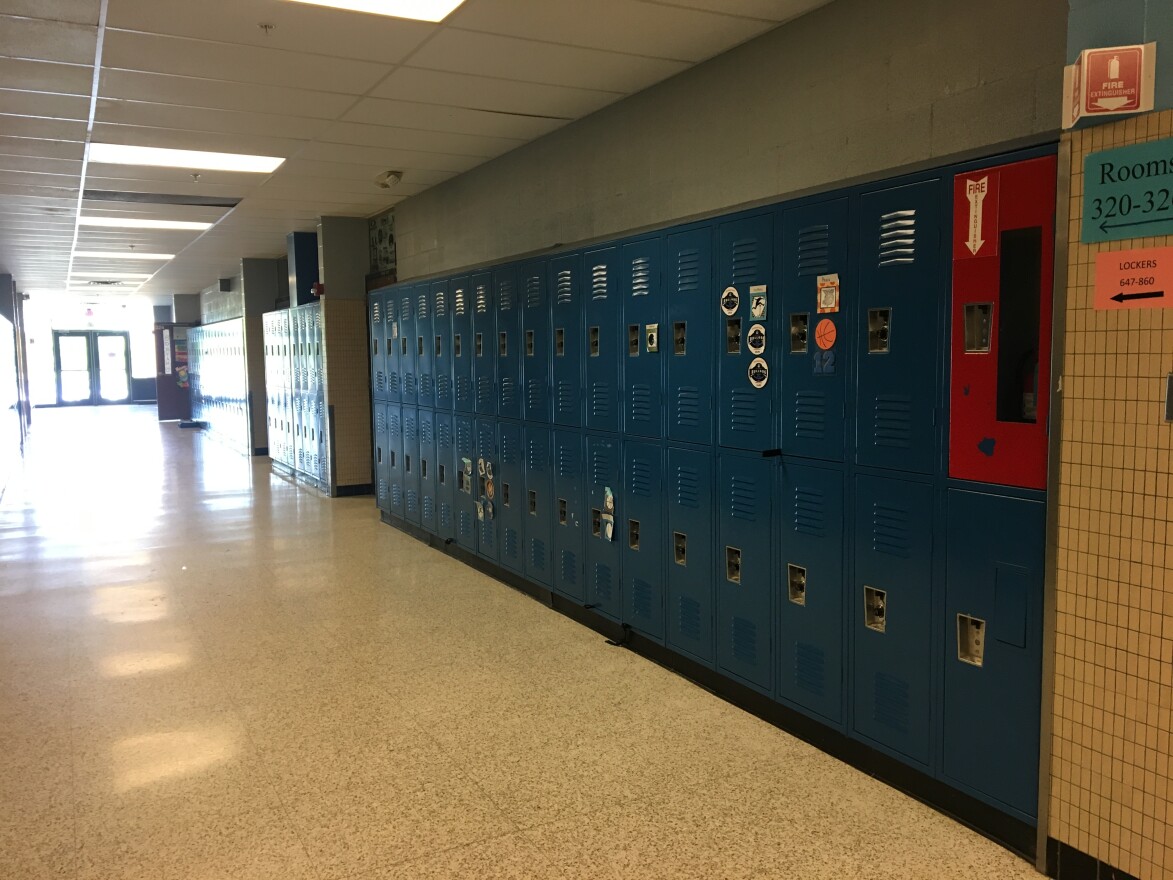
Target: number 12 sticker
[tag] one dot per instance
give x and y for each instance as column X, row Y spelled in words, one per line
column 825, row 363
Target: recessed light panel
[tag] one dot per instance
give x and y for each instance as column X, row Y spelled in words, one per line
column 122, row 255
column 419, row 10
column 118, row 154
column 141, row 276
column 139, row 223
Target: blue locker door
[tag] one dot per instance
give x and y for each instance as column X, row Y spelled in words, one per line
column 511, row 496
column 445, row 476
column 568, row 514
column 429, row 494
column 566, row 286
column 412, row 503
column 993, row 647
column 463, row 355
column 485, row 488
column 690, row 336
column 641, row 536
column 535, row 344
column 641, row 288
column 602, row 342
column 814, row 340
column 901, row 295
column 688, row 548
column 744, row 284
column 441, row 342
column 745, row 591
column 464, row 488
column 425, row 363
column 890, row 609
column 481, row 347
column 810, row 605
column 539, row 506
column 381, row 456
column 408, row 378
column 603, row 525
column 391, row 344
column 375, row 308
column 507, row 347
column 397, row 501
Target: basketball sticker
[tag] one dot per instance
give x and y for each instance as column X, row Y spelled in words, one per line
column 730, row 300
column 759, row 373
column 825, row 334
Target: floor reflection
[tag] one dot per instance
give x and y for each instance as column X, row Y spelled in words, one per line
column 154, row 757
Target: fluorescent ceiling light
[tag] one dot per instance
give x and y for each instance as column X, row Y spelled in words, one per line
column 139, row 223
column 129, row 275
column 121, row 255
column 117, row 154
column 420, row 10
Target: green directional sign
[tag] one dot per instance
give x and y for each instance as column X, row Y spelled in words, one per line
column 1128, row 192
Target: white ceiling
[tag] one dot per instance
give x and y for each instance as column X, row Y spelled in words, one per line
column 342, row 95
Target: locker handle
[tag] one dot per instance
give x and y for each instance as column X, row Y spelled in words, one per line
column 563, row 517
column 679, row 337
column 733, row 565
column 733, row 336
column 503, row 344
column 529, row 343
column 533, row 502
column 796, row 582
column 505, row 494
column 596, row 522
column 594, row 342
column 442, row 476
column 456, row 345
column 680, row 548
column 633, row 340
column 560, row 341
column 633, row 534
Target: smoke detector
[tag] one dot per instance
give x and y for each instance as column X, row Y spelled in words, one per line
column 388, row 179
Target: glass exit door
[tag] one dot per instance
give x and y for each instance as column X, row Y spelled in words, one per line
column 93, row 366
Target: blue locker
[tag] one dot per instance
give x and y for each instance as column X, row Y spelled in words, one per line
column 688, row 549
column 376, row 304
column 441, row 342
column 744, row 284
column 463, row 395
column 511, row 496
column 810, row 605
column 425, row 363
column 566, row 293
column 395, row 485
column 381, row 455
column 507, row 345
column 901, row 295
column 485, row 482
column 569, row 479
column 412, row 502
column 690, row 336
column 641, row 536
column 642, row 292
column 890, row 609
column 535, row 345
column 603, row 527
column 429, row 495
column 484, row 346
column 539, row 506
column 445, row 476
column 408, row 376
column 603, row 342
column 465, row 483
column 391, row 357
column 993, row 647
column 745, row 569
column 813, row 249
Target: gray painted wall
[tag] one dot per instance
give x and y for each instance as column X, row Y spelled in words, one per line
column 852, row 90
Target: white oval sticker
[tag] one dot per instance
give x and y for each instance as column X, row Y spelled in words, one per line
column 759, row 373
column 730, row 300
column 755, row 340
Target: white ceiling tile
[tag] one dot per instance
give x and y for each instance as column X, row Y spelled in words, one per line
column 44, row 105
column 296, row 169
column 42, row 76
column 50, row 129
column 388, row 158
column 47, row 40
column 431, row 117
column 38, row 164
column 770, row 10
column 467, row 52
column 222, row 122
column 145, row 136
column 76, row 11
column 423, row 141
column 50, row 149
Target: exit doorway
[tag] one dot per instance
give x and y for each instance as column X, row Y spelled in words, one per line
column 92, row 367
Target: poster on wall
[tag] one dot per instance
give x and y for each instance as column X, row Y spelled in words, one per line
column 181, row 378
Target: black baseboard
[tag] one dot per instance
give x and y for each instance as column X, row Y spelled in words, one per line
column 1012, row 833
column 261, row 450
column 351, row 491
column 1068, row 863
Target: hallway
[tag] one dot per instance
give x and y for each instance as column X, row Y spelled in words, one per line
column 208, row 672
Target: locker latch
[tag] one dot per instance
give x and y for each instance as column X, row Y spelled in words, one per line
column 419, row 343
column 560, row 341
column 796, row 579
column 562, row 514
column 879, row 330
column 423, row 468
column 456, row 345
column 733, row 336
column 594, row 341
column 479, row 344
column 971, row 639
column 533, row 502
column 529, row 343
column 680, row 548
column 652, row 336
column 679, row 337
column 505, row 494
column 403, row 345
column 733, row 565
column 875, row 608
column 443, row 475
column 977, row 327
column 407, row 463
column 596, row 522
column 503, row 344
column 798, row 327
column 632, row 340
column 633, row 534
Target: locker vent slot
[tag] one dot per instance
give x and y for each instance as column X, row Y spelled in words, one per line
column 641, row 404
column 744, row 640
column 429, row 508
column 891, row 696
column 690, row 618
column 396, row 495
column 810, row 668
column 510, row 543
column 641, row 276
column 405, row 309
column 601, row 465
column 481, row 300
column 425, row 385
column 810, row 414
column 426, row 432
column 484, row 392
column 443, row 387
column 445, row 514
column 421, row 310
column 600, row 400
column 688, row 486
column 537, row 553
column 599, row 281
column 567, row 463
column 745, row 261
column 441, row 304
column 567, row 397
column 533, row 292
column 641, row 599
column 688, row 407
column 603, row 588
column 381, row 423
column 444, row 432
column 460, row 300
column 564, row 291
column 897, row 238
column 688, row 276
column 743, row 411
column 393, row 383
column 640, row 478
column 536, row 456
column 891, row 531
column 569, row 567
column 892, row 421
column 743, row 499
column 508, row 392
column 505, row 296
column 809, row 512
column 376, row 313
column 535, row 394
column 814, row 249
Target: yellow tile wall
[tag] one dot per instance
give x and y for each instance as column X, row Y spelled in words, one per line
column 348, row 389
column 1111, row 782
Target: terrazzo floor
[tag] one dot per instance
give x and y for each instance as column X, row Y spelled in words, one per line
column 207, row 672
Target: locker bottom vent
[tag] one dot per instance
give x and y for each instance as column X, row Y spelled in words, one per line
column 641, row 599
column 445, row 514
column 690, row 618
column 569, row 567
column 511, row 543
column 809, row 668
column 604, row 592
column 892, row 702
column 537, row 554
column 744, row 640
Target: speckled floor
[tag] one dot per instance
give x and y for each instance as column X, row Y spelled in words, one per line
column 206, row 672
